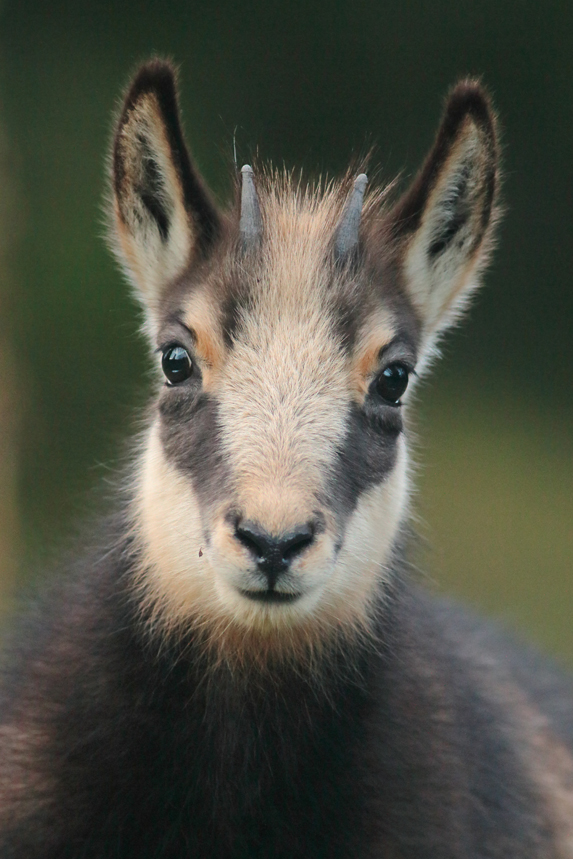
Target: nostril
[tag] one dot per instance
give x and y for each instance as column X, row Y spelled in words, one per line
column 253, row 540
column 297, row 543
column 267, row 549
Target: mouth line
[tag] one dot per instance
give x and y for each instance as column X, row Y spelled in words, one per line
column 270, row 596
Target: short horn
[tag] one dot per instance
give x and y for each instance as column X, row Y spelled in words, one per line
column 251, row 224
column 347, row 235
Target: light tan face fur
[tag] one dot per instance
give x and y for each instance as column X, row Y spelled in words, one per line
column 284, row 389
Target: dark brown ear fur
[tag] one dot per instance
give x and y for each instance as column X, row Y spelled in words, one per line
column 158, row 78
column 468, row 101
column 443, row 224
column 163, row 214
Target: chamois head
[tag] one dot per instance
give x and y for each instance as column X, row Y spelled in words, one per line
column 274, row 480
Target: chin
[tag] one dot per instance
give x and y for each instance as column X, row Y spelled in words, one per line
column 252, row 605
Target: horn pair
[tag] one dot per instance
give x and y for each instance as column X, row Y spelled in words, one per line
column 251, row 223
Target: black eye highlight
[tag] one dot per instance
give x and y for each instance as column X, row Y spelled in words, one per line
column 176, row 364
column 392, row 382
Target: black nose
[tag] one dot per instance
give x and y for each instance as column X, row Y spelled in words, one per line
column 273, row 555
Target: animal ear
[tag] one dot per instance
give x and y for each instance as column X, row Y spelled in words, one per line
column 444, row 221
column 162, row 211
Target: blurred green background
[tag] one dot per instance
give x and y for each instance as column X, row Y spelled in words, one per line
column 305, row 83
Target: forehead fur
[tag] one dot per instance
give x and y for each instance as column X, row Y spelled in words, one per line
column 291, row 287
column 312, row 211
column 295, row 266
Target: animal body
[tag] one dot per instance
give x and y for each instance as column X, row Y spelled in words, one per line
column 243, row 666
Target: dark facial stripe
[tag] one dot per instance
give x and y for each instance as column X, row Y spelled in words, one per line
column 190, row 434
column 230, row 318
column 347, row 319
column 367, row 456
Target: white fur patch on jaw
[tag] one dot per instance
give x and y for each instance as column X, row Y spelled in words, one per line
column 368, row 540
column 175, row 574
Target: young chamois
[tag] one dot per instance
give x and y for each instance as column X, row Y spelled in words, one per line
column 244, row 668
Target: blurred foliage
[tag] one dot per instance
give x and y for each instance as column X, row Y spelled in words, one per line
column 495, row 503
column 9, row 526
column 311, row 84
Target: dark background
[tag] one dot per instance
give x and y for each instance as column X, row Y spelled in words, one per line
column 311, row 84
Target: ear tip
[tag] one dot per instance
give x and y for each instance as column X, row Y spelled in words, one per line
column 156, row 75
column 470, row 98
column 156, row 68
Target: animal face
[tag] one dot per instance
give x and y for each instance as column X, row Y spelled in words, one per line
column 274, row 477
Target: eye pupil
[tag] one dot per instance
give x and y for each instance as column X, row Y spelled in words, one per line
column 176, row 364
column 392, row 383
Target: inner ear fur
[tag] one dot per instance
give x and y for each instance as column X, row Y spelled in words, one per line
column 444, row 222
column 163, row 213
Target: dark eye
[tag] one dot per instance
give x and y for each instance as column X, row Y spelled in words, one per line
column 391, row 383
column 176, row 364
